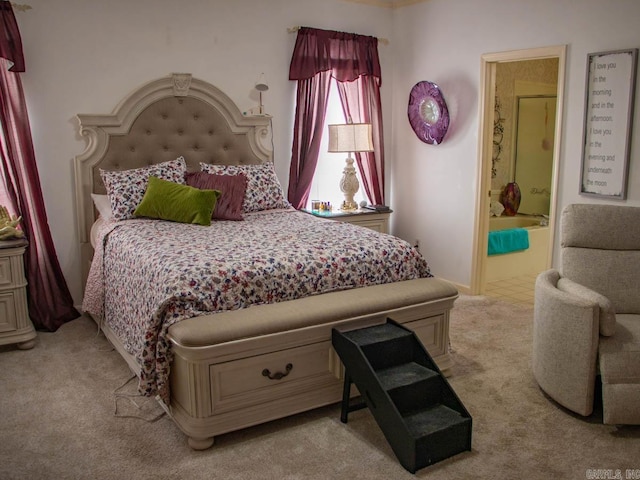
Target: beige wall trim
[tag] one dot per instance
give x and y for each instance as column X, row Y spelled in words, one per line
column 387, row 3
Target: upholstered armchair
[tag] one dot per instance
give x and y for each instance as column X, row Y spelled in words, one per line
column 587, row 317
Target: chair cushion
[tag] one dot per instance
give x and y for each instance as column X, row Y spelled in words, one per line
column 612, row 273
column 610, row 227
column 619, row 355
column 601, row 250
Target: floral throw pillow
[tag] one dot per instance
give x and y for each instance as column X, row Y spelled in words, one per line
column 264, row 191
column 127, row 187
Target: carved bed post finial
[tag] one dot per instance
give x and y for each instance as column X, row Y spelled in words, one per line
column 181, row 84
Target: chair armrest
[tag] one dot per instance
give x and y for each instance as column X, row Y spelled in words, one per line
column 607, row 313
column 565, row 344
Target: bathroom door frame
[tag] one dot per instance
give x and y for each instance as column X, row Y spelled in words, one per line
column 485, row 152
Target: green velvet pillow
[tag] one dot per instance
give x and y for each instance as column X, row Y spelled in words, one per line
column 179, row 203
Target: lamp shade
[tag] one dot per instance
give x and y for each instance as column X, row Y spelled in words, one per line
column 261, row 84
column 350, row 137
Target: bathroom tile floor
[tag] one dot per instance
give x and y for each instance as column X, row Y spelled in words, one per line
column 513, row 290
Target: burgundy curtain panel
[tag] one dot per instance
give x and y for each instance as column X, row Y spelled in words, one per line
column 352, row 60
column 361, row 102
column 311, row 107
column 50, row 303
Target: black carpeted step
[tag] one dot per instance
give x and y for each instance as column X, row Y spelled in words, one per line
column 439, row 432
column 430, row 420
column 411, row 386
column 377, row 333
column 383, row 345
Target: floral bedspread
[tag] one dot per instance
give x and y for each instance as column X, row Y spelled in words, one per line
column 148, row 274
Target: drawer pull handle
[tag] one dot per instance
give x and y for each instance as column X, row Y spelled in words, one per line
column 277, row 375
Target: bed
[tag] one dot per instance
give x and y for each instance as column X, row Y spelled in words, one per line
column 220, row 349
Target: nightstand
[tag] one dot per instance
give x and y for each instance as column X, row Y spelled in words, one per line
column 378, row 221
column 15, row 325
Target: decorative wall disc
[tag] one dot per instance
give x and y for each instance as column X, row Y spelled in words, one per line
column 428, row 113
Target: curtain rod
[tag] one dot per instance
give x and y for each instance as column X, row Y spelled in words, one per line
column 21, row 8
column 384, row 41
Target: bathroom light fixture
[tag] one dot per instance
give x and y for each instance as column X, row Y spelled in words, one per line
column 261, row 86
column 350, row 137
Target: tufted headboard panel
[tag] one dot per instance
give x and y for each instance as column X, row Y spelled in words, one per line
column 170, row 117
column 173, row 127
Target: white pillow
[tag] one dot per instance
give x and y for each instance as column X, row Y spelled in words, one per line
column 103, row 205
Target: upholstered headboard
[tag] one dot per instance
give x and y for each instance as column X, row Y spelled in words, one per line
column 170, row 117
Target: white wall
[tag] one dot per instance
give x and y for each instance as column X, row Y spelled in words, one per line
column 84, row 56
column 434, row 187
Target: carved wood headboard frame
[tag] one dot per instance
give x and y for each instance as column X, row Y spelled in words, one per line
column 166, row 118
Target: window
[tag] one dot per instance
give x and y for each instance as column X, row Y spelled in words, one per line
column 326, row 179
column 4, row 195
column 352, row 60
column 4, row 199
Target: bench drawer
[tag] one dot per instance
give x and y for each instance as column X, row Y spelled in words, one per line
column 245, row 382
column 431, row 333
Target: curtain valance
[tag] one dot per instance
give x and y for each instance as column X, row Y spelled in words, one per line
column 10, row 40
column 347, row 55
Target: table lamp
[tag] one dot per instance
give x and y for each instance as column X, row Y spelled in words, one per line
column 350, row 137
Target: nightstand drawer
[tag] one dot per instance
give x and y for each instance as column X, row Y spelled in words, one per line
column 11, row 272
column 15, row 324
column 7, row 312
column 377, row 225
column 11, row 269
column 7, row 277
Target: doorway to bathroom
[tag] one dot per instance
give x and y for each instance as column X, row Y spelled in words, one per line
column 520, row 132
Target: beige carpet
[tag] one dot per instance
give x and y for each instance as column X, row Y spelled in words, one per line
column 58, row 405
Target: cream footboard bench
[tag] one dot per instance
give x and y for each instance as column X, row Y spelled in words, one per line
column 241, row 368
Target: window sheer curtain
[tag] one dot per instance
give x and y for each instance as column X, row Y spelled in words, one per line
column 352, row 60
column 50, row 303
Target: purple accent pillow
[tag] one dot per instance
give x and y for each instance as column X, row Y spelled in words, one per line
column 264, row 191
column 233, row 188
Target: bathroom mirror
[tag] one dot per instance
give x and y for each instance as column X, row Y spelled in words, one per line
column 533, row 161
column 522, row 90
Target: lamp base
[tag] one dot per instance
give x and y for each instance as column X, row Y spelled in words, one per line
column 349, row 185
column 348, row 206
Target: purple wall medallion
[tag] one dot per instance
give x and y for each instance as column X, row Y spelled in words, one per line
column 428, row 113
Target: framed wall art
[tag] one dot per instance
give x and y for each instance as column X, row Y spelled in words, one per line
column 609, row 102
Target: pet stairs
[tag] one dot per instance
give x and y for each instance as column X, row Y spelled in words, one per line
column 417, row 410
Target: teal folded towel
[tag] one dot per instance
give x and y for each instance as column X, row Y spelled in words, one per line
column 510, row 240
